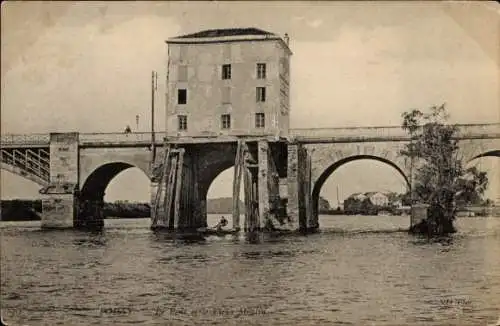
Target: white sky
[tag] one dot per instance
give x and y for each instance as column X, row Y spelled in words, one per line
column 86, row 66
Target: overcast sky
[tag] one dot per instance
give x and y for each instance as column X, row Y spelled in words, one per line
column 86, row 67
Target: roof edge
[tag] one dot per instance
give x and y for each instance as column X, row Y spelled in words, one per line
column 225, row 39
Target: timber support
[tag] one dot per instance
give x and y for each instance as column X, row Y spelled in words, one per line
column 176, row 204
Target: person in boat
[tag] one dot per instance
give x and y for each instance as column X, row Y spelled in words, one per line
column 222, row 223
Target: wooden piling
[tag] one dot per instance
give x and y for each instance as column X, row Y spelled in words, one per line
column 236, row 185
column 186, row 202
column 170, row 190
column 252, row 200
column 254, row 188
column 178, row 187
column 273, row 181
column 196, row 198
column 163, row 179
column 307, row 187
column 248, row 197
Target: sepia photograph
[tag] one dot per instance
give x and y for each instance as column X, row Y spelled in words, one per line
column 250, row 163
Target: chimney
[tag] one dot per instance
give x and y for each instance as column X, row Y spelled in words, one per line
column 287, row 39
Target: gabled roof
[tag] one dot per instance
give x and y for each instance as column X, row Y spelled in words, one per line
column 226, row 32
column 229, row 35
column 357, row 195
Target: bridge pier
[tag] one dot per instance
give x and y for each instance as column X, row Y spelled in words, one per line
column 89, row 211
column 60, row 202
column 299, row 206
column 272, row 162
column 59, row 210
column 176, row 203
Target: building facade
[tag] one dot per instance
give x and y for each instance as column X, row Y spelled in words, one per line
column 378, row 198
column 228, row 82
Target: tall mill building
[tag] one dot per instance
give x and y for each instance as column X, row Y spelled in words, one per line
column 228, row 82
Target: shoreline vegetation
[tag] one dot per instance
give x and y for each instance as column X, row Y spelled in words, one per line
column 30, row 210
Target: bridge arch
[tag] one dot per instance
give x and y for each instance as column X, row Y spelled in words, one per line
column 94, row 186
column 92, row 192
column 492, row 153
column 472, row 149
column 213, row 160
column 320, row 179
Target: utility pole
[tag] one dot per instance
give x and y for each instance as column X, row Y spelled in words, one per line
column 412, row 199
column 154, row 86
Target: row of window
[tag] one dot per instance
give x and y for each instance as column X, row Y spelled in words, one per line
column 261, row 71
column 226, row 72
column 260, row 121
column 260, row 95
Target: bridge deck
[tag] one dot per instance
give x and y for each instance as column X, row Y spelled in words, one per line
column 305, row 135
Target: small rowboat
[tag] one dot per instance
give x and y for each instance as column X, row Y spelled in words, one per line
column 217, row 232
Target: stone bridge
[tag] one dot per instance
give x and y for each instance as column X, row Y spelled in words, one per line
column 327, row 150
column 71, row 166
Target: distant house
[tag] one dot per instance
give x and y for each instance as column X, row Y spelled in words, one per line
column 358, row 196
column 372, row 202
column 377, row 198
column 354, row 203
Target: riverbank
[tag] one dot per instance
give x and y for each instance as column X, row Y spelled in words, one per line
column 30, row 210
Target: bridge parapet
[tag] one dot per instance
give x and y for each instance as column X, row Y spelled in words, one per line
column 381, row 132
column 120, row 138
column 385, row 133
column 476, row 130
column 25, row 139
column 114, row 137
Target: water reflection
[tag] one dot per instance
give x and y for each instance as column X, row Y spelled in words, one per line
column 91, row 241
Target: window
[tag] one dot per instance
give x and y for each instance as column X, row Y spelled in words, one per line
column 261, row 71
column 182, row 96
column 226, row 71
column 182, row 73
column 260, row 120
column 226, row 95
column 226, row 121
column 183, row 122
column 261, row 94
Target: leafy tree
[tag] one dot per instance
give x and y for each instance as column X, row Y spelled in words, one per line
column 439, row 176
column 324, row 205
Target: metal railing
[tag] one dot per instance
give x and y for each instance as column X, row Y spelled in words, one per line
column 28, row 161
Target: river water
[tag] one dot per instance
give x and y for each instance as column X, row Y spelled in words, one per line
column 359, row 270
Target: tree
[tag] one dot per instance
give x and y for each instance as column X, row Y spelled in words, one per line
column 439, row 177
column 324, row 205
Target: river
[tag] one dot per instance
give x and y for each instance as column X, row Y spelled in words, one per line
column 360, row 270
